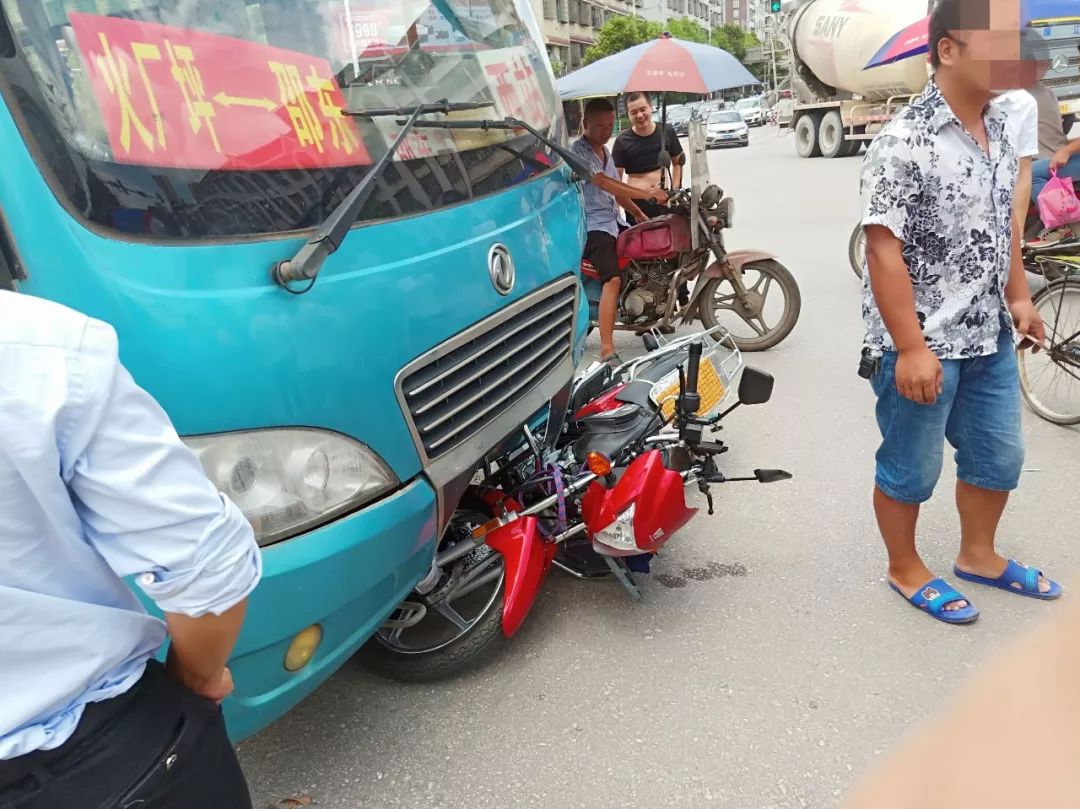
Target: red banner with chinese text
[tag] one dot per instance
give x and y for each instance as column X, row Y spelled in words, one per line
column 515, row 86
column 187, row 99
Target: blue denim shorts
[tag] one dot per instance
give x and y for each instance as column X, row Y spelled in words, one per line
column 978, row 413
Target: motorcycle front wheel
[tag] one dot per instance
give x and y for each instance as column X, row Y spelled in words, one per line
column 452, row 628
column 756, row 321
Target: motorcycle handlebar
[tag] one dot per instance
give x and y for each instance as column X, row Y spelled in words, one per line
column 693, row 365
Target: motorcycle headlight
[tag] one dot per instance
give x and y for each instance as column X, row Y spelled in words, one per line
column 288, row 481
column 619, row 536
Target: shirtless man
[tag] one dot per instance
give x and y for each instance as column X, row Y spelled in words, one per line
column 637, row 151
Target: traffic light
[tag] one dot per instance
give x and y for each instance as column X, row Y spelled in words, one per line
column 775, row 6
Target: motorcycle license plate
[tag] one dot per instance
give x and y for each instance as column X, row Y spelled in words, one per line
column 711, row 388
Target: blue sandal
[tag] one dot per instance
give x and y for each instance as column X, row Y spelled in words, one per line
column 934, row 596
column 1016, row 573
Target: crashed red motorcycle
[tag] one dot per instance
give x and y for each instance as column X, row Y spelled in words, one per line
column 598, row 494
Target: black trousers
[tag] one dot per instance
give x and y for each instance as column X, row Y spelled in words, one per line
column 159, row 746
column 649, row 208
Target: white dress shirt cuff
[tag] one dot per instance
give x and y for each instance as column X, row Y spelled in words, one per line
column 227, row 566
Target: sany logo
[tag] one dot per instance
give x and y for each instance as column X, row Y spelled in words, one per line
column 831, row 25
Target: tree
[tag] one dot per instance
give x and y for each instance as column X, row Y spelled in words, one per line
column 733, row 39
column 687, row 29
column 620, row 33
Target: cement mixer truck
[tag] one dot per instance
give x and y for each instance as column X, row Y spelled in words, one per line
column 838, row 105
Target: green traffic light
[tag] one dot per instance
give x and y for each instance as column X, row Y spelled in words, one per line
column 776, row 6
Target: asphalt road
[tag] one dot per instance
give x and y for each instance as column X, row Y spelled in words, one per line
column 772, row 667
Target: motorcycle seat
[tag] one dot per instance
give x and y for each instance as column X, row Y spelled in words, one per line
column 589, row 385
column 610, row 433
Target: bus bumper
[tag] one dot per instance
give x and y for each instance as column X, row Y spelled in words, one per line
column 346, row 578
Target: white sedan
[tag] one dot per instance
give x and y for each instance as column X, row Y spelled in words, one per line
column 752, row 112
column 726, row 128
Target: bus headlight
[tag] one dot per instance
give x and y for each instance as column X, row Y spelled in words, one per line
column 288, row 481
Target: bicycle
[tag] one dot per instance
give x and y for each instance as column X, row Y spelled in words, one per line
column 857, row 249
column 1050, row 379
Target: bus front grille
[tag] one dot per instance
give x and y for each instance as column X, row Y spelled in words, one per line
column 453, row 391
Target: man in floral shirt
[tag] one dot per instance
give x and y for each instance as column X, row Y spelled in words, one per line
column 944, row 301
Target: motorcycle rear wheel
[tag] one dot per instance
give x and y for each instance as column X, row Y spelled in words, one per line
column 769, row 272
column 446, row 642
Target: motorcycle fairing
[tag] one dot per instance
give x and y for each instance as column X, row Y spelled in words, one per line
column 657, row 494
column 527, row 559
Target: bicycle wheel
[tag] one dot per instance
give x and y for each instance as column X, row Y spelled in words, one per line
column 857, row 249
column 1050, row 380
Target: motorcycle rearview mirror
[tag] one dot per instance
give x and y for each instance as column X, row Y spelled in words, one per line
column 755, row 387
column 710, row 196
column 771, row 475
column 664, row 159
column 650, row 341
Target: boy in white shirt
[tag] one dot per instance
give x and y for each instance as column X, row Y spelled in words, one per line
column 1022, row 128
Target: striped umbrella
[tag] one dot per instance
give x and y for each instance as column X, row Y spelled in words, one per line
column 665, row 64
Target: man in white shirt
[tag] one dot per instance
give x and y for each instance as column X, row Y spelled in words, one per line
column 1052, row 136
column 95, row 489
column 1022, row 128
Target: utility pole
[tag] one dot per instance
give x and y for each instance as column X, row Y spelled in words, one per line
column 772, row 26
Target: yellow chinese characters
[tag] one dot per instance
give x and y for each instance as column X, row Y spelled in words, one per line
column 200, row 111
column 342, row 134
column 308, row 129
column 118, row 81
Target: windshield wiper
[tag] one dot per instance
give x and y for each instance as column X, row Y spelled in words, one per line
column 579, row 166
column 307, row 262
column 443, row 106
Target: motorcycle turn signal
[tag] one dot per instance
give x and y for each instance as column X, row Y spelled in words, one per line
column 600, row 465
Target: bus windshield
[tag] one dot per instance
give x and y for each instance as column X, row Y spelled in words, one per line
column 230, row 118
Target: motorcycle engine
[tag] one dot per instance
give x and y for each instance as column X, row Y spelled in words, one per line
column 648, row 293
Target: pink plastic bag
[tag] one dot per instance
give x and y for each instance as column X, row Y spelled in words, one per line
column 1058, row 205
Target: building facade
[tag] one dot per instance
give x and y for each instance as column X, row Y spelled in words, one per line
column 571, row 26
column 750, row 15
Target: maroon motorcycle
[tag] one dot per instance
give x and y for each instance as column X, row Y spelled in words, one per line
column 749, row 293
